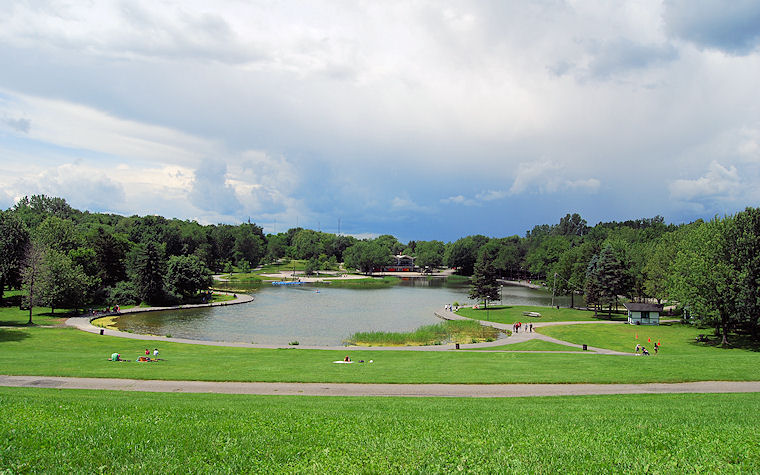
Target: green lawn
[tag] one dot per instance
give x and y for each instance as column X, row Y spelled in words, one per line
column 675, row 339
column 69, row 352
column 511, row 314
column 65, row 431
column 530, row 345
column 12, row 315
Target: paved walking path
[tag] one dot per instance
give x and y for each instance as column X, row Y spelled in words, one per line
column 406, row 390
column 519, row 337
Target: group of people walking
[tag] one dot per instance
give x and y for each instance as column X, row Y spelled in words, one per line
column 517, row 325
column 641, row 349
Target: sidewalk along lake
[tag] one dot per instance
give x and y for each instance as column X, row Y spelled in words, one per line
column 319, row 315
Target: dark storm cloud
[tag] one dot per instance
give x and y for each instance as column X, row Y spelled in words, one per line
column 732, row 27
column 209, row 189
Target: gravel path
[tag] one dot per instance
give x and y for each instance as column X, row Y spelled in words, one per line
column 406, row 390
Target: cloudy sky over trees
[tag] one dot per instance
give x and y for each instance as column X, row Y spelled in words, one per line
column 422, row 119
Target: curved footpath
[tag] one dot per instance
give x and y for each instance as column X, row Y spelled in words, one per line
column 520, row 337
column 350, row 389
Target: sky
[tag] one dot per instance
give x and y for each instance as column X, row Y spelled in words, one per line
column 422, row 119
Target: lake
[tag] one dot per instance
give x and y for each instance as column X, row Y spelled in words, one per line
column 280, row 315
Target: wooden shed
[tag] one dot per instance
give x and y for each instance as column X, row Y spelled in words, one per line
column 643, row 313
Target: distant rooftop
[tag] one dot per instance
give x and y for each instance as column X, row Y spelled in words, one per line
column 643, row 307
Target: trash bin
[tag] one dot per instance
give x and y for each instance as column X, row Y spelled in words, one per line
column 457, row 346
column 585, row 347
column 101, row 331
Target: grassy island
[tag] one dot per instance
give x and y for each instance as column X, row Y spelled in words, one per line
column 458, row 331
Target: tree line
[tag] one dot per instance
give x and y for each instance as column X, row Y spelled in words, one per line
column 66, row 258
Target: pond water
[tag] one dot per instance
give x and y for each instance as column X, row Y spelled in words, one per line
column 280, row 315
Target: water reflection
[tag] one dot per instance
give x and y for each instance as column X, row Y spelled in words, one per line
column 320, row 315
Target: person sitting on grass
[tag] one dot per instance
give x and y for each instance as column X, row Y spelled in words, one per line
column 347, row 359
column 115, row 357
column 644, row 351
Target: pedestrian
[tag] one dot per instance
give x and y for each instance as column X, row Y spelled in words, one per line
column 531, row 327
column 656, row 348
column 644, row 351
column 638, row 348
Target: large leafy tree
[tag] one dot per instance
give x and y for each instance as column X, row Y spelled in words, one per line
column 484, row 283
column 58, row 234
column 307, row 244
column 541, row 260
column 659, row 263
column 743, row 241
column 248, row 248
column 186, row 275
column 13, row 241
column 463, row 253
column 429, row 253
column 702, row 278
column 62, row 283
column 366, row 256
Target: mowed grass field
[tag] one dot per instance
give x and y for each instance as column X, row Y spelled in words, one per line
column 65, row 431
column 530, row 345
column 674, row 338
column 514, row 313
column 69, row 352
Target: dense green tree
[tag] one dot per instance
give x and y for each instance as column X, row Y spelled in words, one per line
column 187, row 275
column 429, row 254
column 659, row 263
column 58, row 234
column 339, row 245
column 366, row 256
column 570, row 271
column 743, row 241
column 463, row 253
column 62, row 283
column 307, row 244
column 393, row 246
column 509, row 258
column 541, row 260
column 147, row 269
column 33, row 210
column 110, row 255
column 249, row 248
column 571, row 225
column 606, row 278
column 14, row 238
column 276, row 247
column 484, row 284
column 702, row 278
